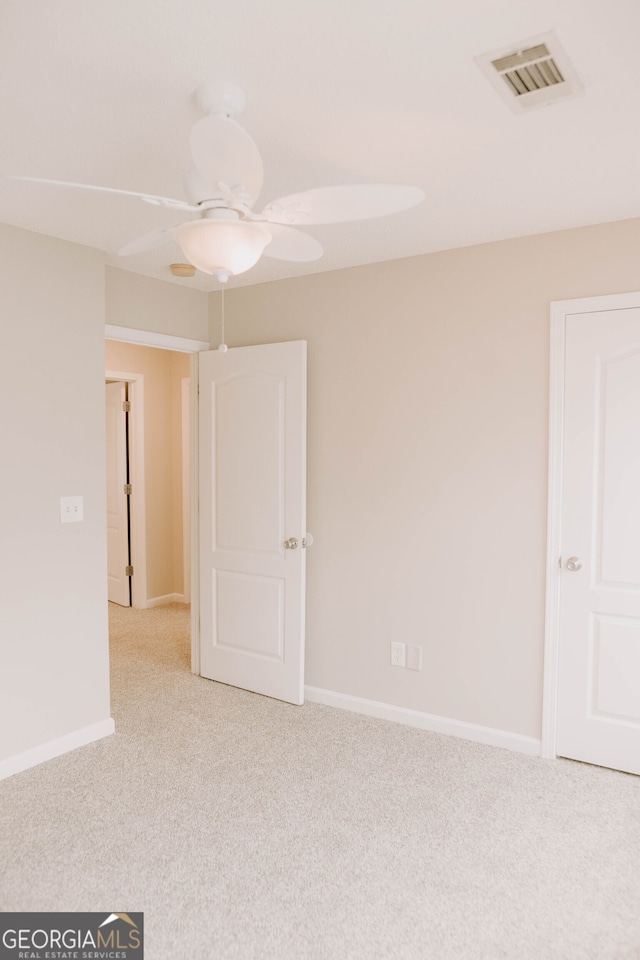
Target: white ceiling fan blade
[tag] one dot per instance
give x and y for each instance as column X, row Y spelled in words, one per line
column 226, row 158
column 148, row 241
column 289, row 244
column 340, row 204
column 147, row 197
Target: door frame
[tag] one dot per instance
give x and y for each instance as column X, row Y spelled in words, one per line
column 560, row 310
column 146, row 338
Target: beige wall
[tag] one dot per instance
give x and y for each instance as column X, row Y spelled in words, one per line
column 142, row 303
column 428, row 381
column 163, row 371
column 54, row 675
column 427, row 466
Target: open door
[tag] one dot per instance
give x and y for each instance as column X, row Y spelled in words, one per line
column 117, row 499
column 252, row 460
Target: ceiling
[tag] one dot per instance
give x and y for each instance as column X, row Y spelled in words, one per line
column 101, row 91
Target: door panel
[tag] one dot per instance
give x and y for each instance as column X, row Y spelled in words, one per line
column 599, row 662
column 619, row 462
column 615, row 667
column 117, row 518
column 250, row 613
column 252, row 499
column 255, row 403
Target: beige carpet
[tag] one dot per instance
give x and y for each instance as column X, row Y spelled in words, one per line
column 245, row 828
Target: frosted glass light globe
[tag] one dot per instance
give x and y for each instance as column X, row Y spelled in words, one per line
column 222, row 246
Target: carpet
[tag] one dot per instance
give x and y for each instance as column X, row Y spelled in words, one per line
column 248, row 828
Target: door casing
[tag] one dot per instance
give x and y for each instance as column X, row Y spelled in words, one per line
column 560, row 310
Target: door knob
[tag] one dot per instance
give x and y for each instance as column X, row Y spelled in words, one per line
column 291, row 544
column 573, row 564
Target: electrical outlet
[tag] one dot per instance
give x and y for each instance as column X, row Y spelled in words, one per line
column 414, row 657
column 71, row 510
column 398, row 654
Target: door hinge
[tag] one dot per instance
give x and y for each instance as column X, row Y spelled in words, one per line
column 127, row 489
column 128, row 571
column 126, row 406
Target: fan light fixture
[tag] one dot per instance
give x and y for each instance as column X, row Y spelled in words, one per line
column 222, row 247
column 229, row 236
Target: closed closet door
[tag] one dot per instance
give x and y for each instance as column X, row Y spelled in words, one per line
column 599, row 647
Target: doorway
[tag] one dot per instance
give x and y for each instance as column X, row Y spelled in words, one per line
column 254, row 423
column 129, row 335
column 154, row 486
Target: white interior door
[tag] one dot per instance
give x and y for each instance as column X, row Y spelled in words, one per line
column 186, row 490
column 252, row 456
column 599, row 647
column 117, row 518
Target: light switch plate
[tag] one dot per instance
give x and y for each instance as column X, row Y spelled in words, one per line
column 71, row 509
column 414, row 657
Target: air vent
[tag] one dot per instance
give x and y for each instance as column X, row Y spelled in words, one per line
column 532, row 74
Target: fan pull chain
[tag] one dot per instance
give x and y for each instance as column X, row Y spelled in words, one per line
column 223, row 347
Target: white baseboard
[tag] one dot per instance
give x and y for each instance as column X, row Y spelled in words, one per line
column 168, row 598
column 426, row 721
column 55, row 748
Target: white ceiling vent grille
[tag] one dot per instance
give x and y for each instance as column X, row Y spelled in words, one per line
column 531, row 74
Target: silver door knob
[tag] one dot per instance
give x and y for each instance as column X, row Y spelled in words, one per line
column 291, row 544
column 573, row 564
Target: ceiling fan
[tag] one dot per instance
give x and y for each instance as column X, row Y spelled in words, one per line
column 228, row 237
